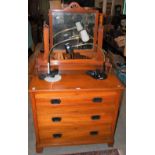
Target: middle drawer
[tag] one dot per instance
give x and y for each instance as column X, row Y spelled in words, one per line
column 74, row 109
column 66, row 120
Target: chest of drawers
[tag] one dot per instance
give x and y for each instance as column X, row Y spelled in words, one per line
column 76, row 110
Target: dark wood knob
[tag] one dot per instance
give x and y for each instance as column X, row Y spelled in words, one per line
column 55, row 101
column 93, row 133
column 95, row 117
column 97, row 99
column 56, row 119
column 57, row 135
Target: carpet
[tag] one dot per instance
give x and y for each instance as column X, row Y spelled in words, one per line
column 104, row 152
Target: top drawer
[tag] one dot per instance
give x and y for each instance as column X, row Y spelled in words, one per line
column 72, row 98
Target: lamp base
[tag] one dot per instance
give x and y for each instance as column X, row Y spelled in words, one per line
column 52, row 77
column 56, row 78
column 97, row 74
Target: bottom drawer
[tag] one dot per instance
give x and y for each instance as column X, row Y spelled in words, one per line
column 76, row 135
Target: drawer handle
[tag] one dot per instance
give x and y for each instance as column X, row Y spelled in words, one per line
column 93, row 133
column 97, row 99
column 57, row 135
column 55, row 101
column 56, row 119
column 95, row 117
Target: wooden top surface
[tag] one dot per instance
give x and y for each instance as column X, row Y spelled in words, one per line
column 75, row 82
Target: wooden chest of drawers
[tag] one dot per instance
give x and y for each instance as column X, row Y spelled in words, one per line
column 76, row 110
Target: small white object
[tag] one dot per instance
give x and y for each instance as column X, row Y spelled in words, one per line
column 55, row 62
column 53, row 79
column 78, row 26
column 48, row 68
column 33, row 88
column 78, row 88
column 84, row 35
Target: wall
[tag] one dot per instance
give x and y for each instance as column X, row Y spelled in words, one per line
column 115, row 2
column 97, row 3
column 55, row 4
column 37, row 7
column 118, row 2
column 44, row 8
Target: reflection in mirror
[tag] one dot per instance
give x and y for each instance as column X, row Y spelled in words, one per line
column 73, row 28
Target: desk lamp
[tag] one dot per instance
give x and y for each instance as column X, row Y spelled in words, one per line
column 54, row 76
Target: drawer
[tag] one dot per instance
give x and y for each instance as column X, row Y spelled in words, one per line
column 74, row 102
column 74, row 109
column 76, row 134
column 67, row 120
column 74, row 98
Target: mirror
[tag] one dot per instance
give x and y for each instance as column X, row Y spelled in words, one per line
column 65, row 30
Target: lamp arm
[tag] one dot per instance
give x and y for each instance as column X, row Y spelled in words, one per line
column 69, row 29
column 51, row 50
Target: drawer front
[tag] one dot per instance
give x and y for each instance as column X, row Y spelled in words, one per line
column 75, row 117
column 77, row 109
column 76, row 134
column 67, row 120
column 73, row 98
column 74, row 102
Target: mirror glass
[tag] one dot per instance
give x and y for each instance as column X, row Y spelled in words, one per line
column 65, row 30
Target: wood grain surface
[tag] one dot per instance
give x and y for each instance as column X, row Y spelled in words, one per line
column 76, row 82
column 76, row 110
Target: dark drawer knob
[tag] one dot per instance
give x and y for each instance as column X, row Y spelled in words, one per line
column 95, row 117
column 56, row 119
column 93, row 133
column 57, row 135
column 97, row 99
column 55, row 101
